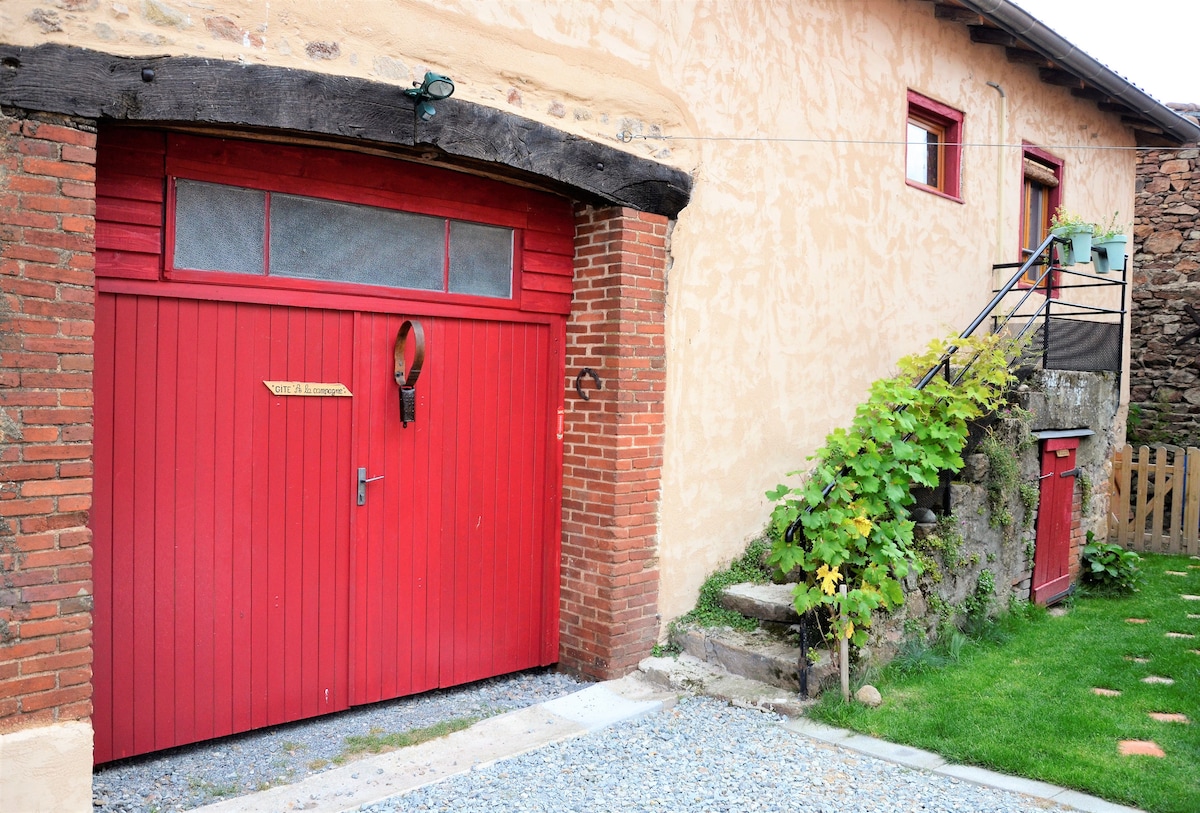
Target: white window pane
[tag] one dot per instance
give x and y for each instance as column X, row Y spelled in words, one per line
column 219, row 228
column 321, row 239
column 480, row 259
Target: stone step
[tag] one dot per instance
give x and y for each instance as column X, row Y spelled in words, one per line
column 689, row 674
column 763, row 655
column 766, row 602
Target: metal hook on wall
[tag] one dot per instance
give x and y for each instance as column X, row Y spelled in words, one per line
column 588, row 371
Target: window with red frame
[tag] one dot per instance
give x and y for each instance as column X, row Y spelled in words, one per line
column 253, row 231
column 933, row 158
column 1040, row 196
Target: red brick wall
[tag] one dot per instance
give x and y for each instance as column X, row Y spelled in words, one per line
column 613, row 443
column 47, row 203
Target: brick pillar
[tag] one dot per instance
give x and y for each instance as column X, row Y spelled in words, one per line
column 612, row 444
column 47, row 294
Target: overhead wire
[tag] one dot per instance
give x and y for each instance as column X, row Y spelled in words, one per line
column 626, row 137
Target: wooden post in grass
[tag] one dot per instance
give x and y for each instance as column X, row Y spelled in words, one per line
column 844, row 651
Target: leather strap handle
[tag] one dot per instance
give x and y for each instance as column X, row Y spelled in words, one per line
column 408, row 378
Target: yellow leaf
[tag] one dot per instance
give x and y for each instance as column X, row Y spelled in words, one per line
column 849, row 630
column 829, row 579
column 862, row 525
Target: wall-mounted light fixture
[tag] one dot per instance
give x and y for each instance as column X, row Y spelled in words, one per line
column 435, row 88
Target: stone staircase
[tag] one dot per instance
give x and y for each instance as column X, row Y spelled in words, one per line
column 757, row 668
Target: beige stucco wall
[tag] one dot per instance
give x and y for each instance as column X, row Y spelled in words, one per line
column 803, row 267
column 47, row 769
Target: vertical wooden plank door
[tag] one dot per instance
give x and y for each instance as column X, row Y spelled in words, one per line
column 221, row 529
column 452, row 566
column 1052, row 547
column 238, row 582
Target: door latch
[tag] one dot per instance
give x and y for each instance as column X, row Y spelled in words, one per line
column 406, row 379
column 363, row 479
column 1071, row 472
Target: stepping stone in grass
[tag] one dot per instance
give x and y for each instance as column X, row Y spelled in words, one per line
column 1194, row 651
column 1180, row 635
column 1165, row 681
column 1164, row 717
column 1186, row 597
column 1193, row 567
column 1175, row 572
column 1106, row 692
column 1193, row 615
column 1137, row 620
column 1145, row 748
column 1136, row 659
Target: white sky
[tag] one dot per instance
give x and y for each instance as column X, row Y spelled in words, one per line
column 1152, row 43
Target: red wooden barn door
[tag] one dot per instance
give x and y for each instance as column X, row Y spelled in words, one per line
column 221, row 520
column 1052, row 552
column 453, row 577
column 238, row 582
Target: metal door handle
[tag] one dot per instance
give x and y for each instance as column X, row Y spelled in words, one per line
column 1071, row 473
column 363, row 479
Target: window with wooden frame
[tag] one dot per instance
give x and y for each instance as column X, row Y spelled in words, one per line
column 933, row 156
column 1041, row 193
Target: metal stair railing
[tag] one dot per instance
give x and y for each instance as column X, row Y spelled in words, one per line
column 1045, row 284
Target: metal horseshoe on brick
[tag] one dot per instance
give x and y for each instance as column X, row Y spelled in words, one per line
column 406, row 379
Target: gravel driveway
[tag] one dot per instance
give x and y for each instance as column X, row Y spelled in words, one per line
column 704, row 756
column 194, row 775
column 701, row 756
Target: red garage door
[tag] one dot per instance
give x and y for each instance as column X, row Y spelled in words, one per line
column 272, row 540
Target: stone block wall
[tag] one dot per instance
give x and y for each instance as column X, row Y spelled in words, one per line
column 1052, row 399
column 1164, row 383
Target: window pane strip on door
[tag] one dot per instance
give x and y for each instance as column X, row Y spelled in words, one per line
column 326, row 240
column 481, row 260
column 219, row 228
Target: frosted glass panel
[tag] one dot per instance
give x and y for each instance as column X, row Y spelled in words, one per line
column 321, row 239
column 480, row 259
column 219, row 228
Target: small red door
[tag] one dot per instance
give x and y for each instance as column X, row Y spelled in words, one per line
column 1052, row 553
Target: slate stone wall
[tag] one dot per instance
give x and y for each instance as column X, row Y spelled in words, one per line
column 1164, row 362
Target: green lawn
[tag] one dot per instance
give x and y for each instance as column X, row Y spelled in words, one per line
column 1025, row 706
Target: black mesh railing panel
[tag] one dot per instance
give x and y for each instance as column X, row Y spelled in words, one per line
column 1082, row 344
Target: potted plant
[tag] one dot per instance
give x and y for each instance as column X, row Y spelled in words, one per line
column 1072, row 227
column 1112, row 238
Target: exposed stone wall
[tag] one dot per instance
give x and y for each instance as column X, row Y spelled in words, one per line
column 1052, row 400
column 1164, row 386
column 613, row 442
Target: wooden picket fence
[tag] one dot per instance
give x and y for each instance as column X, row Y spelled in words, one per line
column 1155, row 505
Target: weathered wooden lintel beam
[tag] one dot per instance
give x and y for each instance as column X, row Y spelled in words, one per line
column 92, row 84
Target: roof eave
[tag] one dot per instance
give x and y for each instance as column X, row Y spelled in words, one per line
column 1027, row 28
